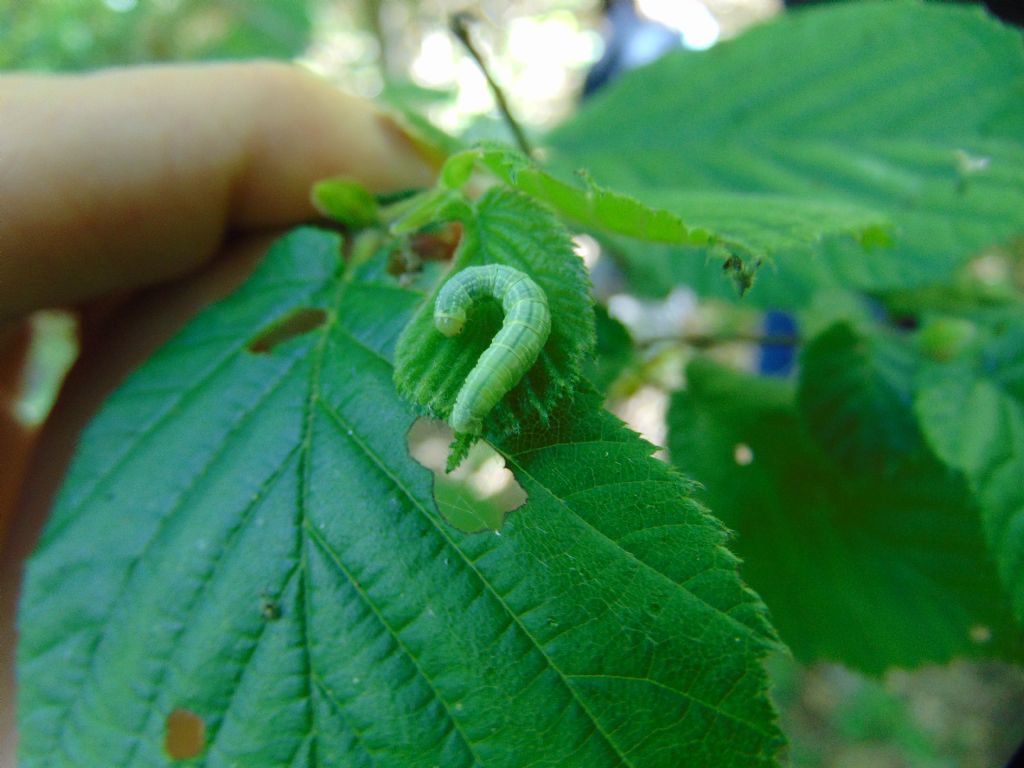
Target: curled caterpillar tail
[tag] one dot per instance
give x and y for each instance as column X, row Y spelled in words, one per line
column 515, row 347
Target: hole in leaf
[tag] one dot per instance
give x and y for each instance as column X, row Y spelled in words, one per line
column 743, row 454
column 295, row 323
column 980, row 634
column 185, row 735
column 480, row 493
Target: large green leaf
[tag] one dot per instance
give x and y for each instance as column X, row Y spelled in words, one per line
column 972, row 412
column 872, row 567
column 244, row 536
column 908, row 108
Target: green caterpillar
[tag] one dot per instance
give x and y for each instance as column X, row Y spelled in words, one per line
column 514, row 349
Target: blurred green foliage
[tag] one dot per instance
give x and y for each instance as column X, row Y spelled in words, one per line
column 85, row 34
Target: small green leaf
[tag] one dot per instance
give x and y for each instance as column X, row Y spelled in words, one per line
column 505, row 227
column 457, row 169
column 871, row 568
column 345, row 200
column 426, row 209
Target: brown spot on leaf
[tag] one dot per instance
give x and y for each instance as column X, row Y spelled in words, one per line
column 185, row 735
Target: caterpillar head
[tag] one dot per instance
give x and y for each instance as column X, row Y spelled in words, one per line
column 450, row 323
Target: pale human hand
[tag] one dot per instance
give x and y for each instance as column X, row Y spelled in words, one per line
column 136, row 196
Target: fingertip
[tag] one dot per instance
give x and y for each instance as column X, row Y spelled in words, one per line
column 303, row 130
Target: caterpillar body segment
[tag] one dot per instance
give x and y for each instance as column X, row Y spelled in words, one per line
column 515, row 347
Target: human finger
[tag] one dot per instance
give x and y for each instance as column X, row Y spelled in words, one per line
column 126, row 178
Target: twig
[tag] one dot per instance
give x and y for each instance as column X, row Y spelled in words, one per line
column 459, row 23
column 704, row 341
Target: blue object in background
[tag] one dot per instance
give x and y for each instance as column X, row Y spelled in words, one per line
column 778, row 359
column 631, row 42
